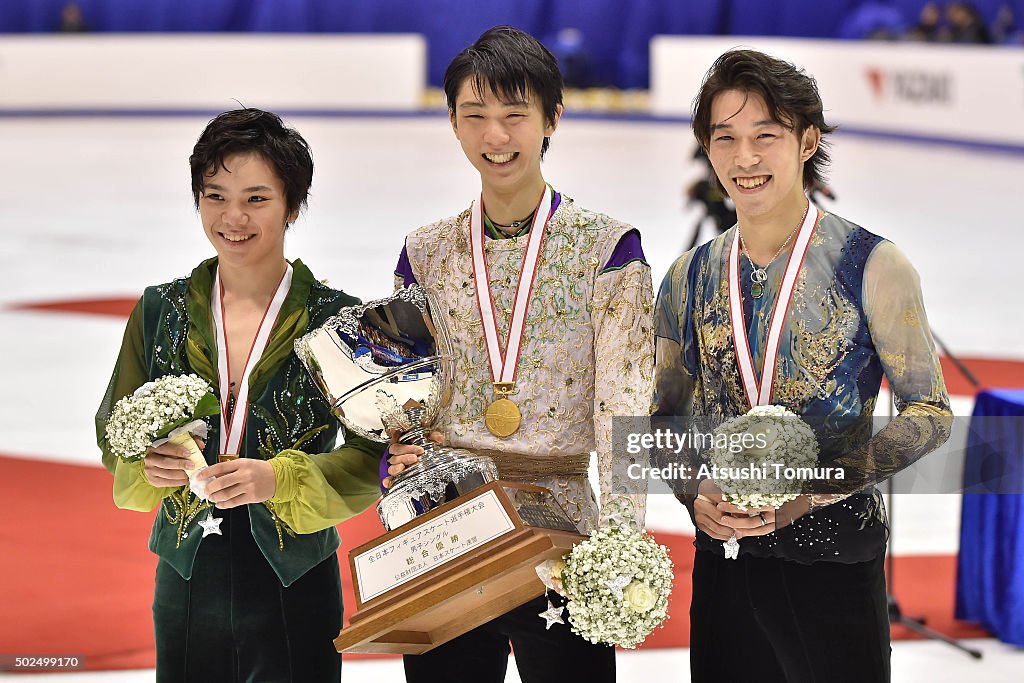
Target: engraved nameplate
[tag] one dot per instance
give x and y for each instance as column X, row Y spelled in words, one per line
column 431, row 544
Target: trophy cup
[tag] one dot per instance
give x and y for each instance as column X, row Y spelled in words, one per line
column 461, row 545
column 393, row 373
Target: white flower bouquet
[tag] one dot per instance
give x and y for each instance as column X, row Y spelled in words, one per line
column 171, row 408
column 617, row 583
column 760, row 459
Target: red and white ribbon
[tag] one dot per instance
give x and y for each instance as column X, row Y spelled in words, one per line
column 504, row 365
column 761, row 394
column 231, row 432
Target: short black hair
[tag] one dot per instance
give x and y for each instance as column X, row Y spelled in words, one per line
column 511, row 64
column 790, row 95
column 241, row 131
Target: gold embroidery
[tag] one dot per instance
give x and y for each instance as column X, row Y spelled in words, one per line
column 820, row 343
column 181, row 508
column 911, row 319
column 895, row 363
column 280, row 525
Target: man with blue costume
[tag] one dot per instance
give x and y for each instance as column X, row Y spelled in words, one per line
column 796, row 307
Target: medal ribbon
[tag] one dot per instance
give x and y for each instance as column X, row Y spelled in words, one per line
column 761, row 394
column 504, row 366
column 231, row 433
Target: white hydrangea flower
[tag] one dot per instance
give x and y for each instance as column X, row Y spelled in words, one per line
column 781, row 442
column 136, row 420
column 596, row 611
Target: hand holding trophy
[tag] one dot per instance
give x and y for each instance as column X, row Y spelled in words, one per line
column 386, row 368
column 461, row 545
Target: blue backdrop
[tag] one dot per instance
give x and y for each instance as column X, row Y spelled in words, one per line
column 609, row 45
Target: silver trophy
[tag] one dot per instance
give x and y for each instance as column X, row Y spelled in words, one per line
column 387, row 366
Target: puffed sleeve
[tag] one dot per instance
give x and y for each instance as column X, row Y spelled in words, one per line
column 319, row 490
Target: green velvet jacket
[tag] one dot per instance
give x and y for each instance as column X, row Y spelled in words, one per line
column 171, row 331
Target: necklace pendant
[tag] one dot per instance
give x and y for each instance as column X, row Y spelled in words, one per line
column 756, row 290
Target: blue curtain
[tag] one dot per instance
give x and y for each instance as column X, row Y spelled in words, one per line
column 990, row 566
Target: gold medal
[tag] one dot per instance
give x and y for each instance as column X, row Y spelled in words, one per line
column 503, row 417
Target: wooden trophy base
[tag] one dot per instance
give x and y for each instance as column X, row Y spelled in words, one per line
column 454, row 568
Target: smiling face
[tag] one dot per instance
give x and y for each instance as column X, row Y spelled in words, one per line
column 244, row 212
column 502, row 140
column 759, row 161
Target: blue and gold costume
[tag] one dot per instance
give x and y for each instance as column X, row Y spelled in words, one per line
column 856, row 313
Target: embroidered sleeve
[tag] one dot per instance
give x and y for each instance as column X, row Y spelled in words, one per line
column 899, row 330
column 624, row 357
column 673, row 384
column 320, row 490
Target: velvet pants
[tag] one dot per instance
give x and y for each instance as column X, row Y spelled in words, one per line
column 233, row 621
column 768, row 620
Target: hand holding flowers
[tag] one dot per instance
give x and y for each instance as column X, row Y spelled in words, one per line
column 239, row 481
column 617, row 582
column 721, row 520
column 159, row 422
column 168, row 464
column 752, row 491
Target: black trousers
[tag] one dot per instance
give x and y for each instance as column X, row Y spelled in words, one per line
column 773, row 620
column 233, row 621
column 556, row 655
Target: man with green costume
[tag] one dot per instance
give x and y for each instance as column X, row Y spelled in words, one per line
column 248, row 589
